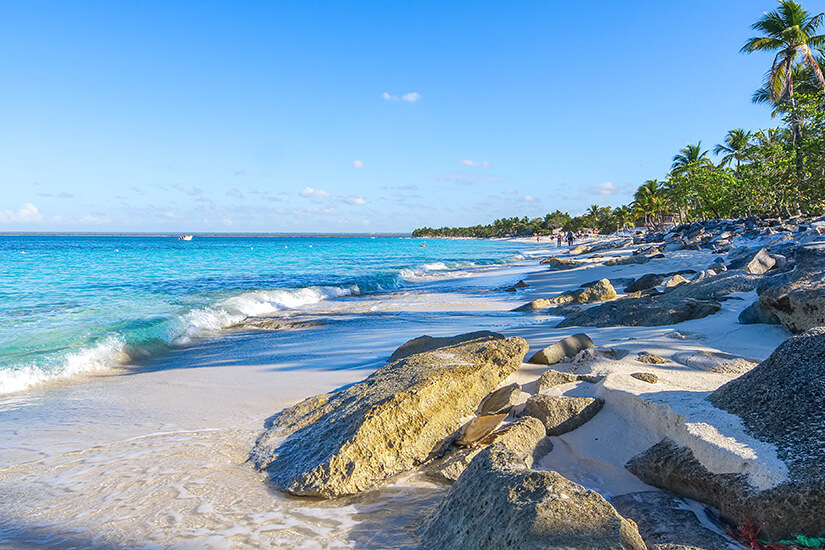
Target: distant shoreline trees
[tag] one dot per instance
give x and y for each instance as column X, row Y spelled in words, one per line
column 768, row 172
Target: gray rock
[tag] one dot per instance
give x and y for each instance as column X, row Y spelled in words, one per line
column 501, row 400
column 559, row 263
column 519, row 285
column 498, row 502
column 648, row 377
column 797, row 298
column 628, row 260
column 525, row 437
column 568, row 347
column 650, row 358
column 757, row 313
column 760, row 263
column 644, row 282
column 349, row 440
column 551, row 378
column 562, row 414
column 666, row 522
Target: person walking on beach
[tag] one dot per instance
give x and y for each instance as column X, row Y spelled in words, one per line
column 569, row 238
column 558, row 240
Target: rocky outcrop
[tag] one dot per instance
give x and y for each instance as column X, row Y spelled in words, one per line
column 628, row 260
column 760, row 263
column 559, row 263
column 525, row 437
column 518, row 286
column 644, row 282
column 551, row 378
column 499, row 502
column 757, row 313
column 349, row 440
column 675, row 281
column 538, row 304
column 562, row 414
column 428, row 343
column 779, row 402
column 600, row 291
column 558, row 352
column 797, row 298
column 690, row 301
column 501, row 400
column 650, row 358
column 666, row 522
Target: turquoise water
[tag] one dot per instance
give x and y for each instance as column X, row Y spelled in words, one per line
column 74, row 304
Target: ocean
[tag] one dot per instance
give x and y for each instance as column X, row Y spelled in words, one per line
column 76, row 304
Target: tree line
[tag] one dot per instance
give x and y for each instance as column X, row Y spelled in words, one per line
column 777, row 171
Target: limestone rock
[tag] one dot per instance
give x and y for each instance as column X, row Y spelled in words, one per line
column 551, row 378
column 559, row 263
column 797, row 298
column 675, row 281
column 569, row 347
column 501, row 400
column 648, row 377
column 757, row 313
column 580, row 249
column 525, row 437
column 760, row 263
column 562, row 414
column 498, row 502
column 428, row 343
column 650, row 358
column 628, row 260
column 536, row 305
column 666, row 522
column 517, row 286
column 478, row 427
column 351, row 439
column 644, row 282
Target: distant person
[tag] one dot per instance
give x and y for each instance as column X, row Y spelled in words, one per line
column 570, row 238
column 559, row 240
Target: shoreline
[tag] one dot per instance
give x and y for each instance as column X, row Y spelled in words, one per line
column 212, row 396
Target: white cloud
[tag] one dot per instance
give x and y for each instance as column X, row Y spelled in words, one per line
column 227, row 222
column 412, row 97
column 234, row 192
column 315, row 193
column 26, row 213
column 529, row 198
column 509, row 192
column 358, row 164
column 475, row 163
column 355, row 199
column 606, row 188
column 89, row 218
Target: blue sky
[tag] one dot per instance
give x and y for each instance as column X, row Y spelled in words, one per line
column 355, row 116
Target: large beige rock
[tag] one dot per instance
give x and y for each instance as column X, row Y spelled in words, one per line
column 562, row 414
column 498, row 502
column 569, row 347
column 551, row 378
column 525, row 437
column 428, row 343
column 349, row 440
column 675, row 281
column 501, row 400
column 536, row 305
column 559, row 263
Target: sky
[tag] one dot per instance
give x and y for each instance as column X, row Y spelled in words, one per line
column 310, row 116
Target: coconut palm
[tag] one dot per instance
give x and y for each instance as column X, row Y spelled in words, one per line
column 736, row 144
column 624, row 216
column 791, row 32
column 649, row 201
column 689, row 155
column 804, row 83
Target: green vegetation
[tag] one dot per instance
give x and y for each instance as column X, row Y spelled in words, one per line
column 769, row 172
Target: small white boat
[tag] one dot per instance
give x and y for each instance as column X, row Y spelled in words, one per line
column 185, row 237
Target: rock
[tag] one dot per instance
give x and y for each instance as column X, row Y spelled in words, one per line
column 780, row 402
column 551, row 378
column 675, row 281
column 650, row 358
column 501, row 400
column 536, row 305
column 351, row 439
column 644, row 282
column 568, row 347
column 428, row 343
column 757, row 313
column 498, row 502
column 275, row 323
column 559, row 263
column 682, row 303
column 760, row 263
column 628, row 260
column 517, row 286
column 797, row 298
column 478, row 427
column 525, row 437
column 667, row 522
column 580, row 249
column 562, row 414
column 599, row 292
column 648, row 377
column 644, row 311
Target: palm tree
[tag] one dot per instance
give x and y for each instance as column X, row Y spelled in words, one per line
column 790, row 31
column 649, row 201
column 804, row 82
column 624, row 216
column 688, row 156
column 736, row 143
